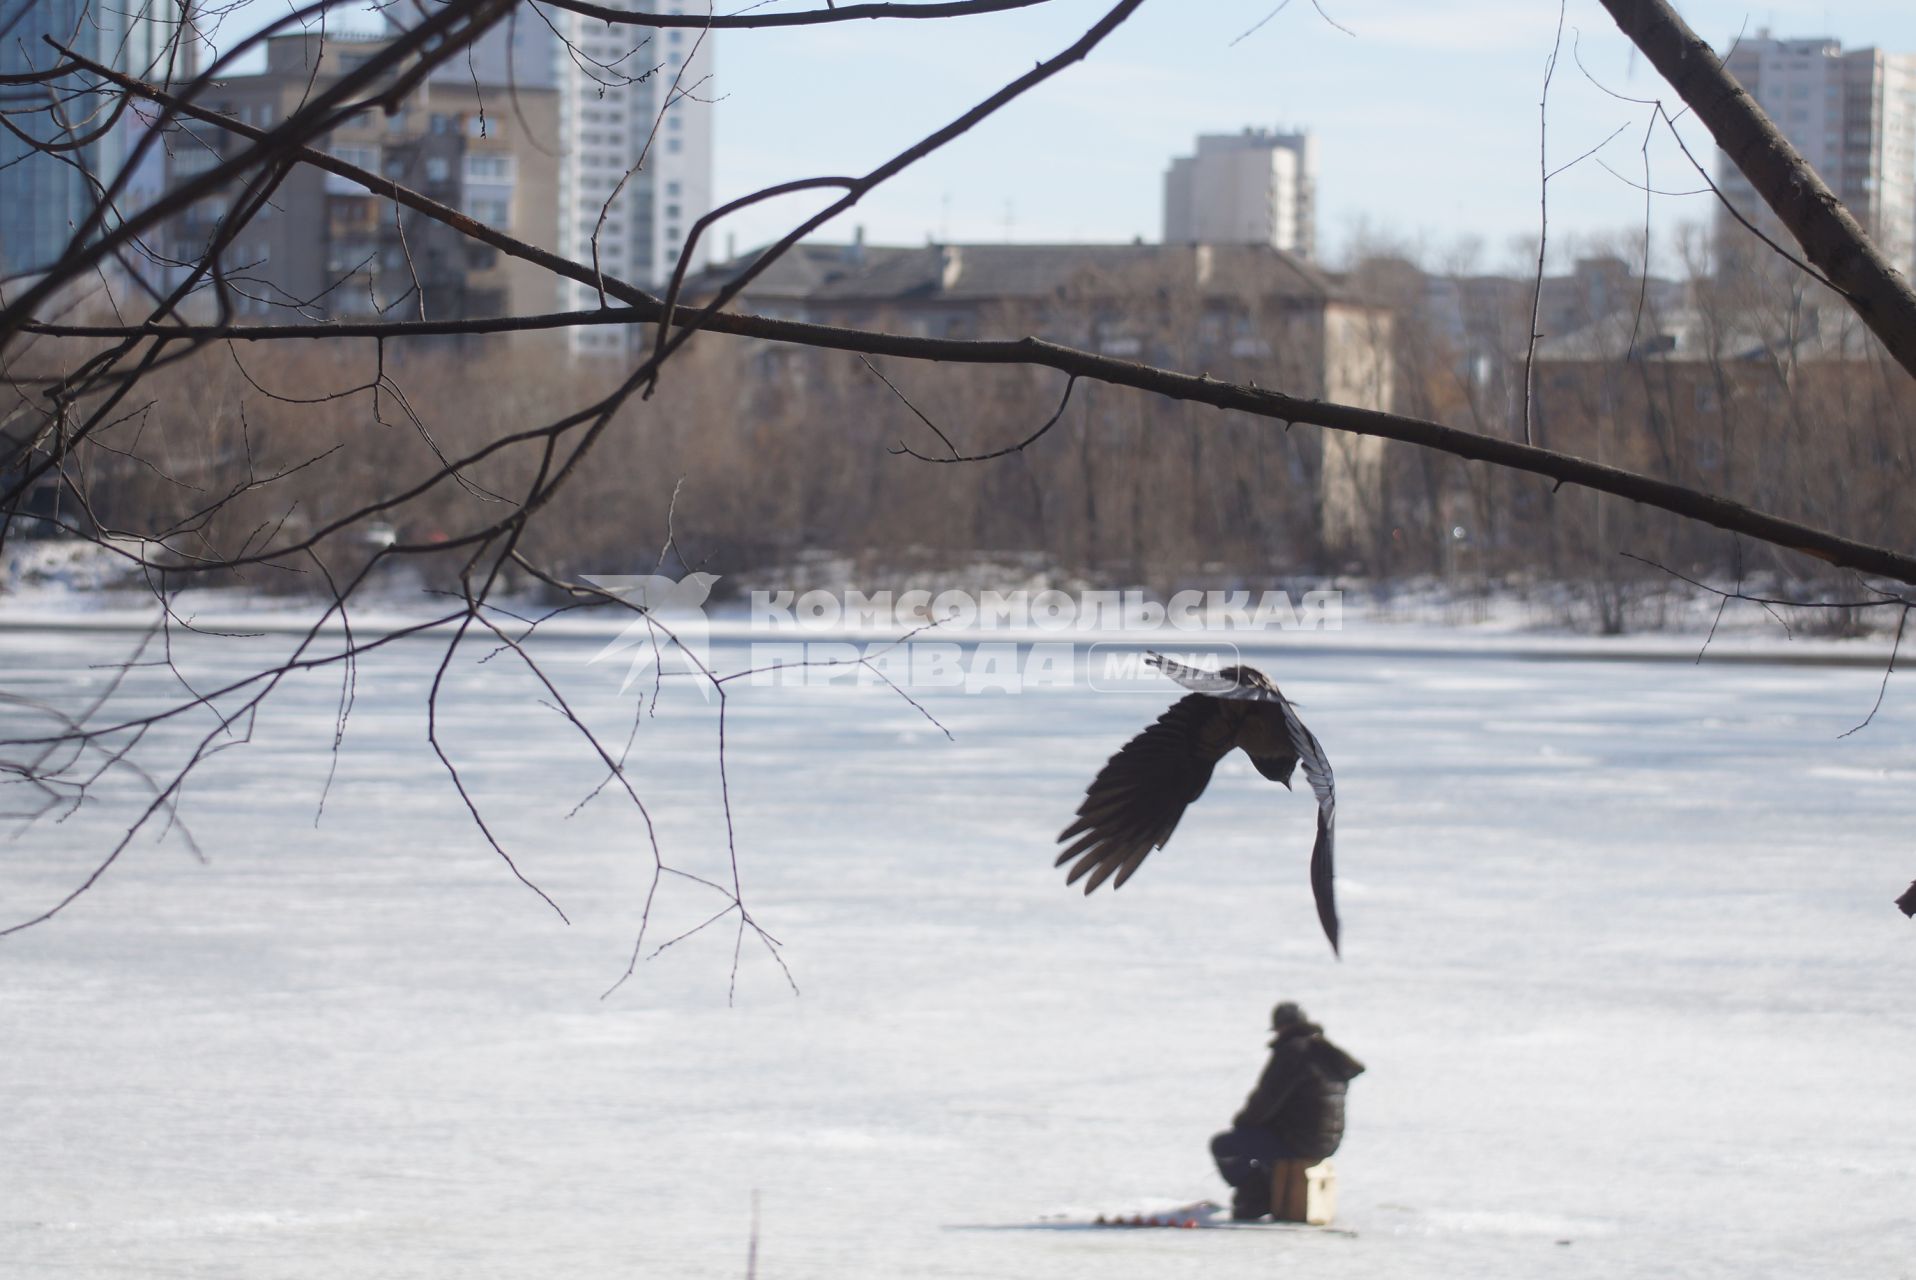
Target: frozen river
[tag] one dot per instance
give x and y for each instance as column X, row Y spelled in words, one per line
column 1619, row 953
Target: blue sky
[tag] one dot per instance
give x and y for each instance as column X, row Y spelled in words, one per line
column 1427, row 117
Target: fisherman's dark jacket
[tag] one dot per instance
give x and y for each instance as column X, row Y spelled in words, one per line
column 1300, row 1096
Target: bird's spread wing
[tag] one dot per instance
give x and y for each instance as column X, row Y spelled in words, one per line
column 1317, row 770
column 1244, row 685
column 1134, row 804
column 1217, row 684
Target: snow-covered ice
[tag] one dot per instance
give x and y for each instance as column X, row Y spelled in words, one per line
column 1619, row 953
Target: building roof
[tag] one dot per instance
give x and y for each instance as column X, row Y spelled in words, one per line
column 816, row 272
column 1688, row 334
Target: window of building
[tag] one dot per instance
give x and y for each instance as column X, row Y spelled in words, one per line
column 351, row 255
column 193, row 159
column 361, row 154
column 671, row 211
column 438, row 168
column 671, row 188
column 490, row 210
column 673, row 144
column 484, row 166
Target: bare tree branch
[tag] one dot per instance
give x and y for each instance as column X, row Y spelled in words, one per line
column 79, row 416
column 1831, row 238
column 802, row 18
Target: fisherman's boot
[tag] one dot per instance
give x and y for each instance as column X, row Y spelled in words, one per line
column 1251, row 1199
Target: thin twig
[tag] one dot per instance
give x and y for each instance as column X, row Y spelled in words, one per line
column 1543, row 227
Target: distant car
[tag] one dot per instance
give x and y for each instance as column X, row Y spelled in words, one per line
column 379, row 534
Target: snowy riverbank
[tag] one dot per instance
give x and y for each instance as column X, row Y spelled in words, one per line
column 69, row 586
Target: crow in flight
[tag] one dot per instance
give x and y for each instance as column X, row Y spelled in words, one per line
column 1134, row 804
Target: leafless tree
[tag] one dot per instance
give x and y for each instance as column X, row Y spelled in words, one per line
column 139, row 428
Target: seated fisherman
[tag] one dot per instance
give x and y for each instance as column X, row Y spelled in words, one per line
column 1296, row 1112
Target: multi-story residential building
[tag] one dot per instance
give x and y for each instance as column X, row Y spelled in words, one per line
column 638, row 152
column 1852, row 114
column 634, row 140
column 47, row 198
column 1242, row 313
column 1468, row 335
column 1254, row 187
column 1786, row 408
column 326, row 246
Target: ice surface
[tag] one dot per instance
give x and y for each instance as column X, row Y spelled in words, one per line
column 1619, row 953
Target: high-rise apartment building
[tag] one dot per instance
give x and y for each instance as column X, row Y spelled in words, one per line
column 637, row 167
column 1852, row 114
column 45, row 199
column 634, row 140
column 327, row 247
column 1254, row 187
